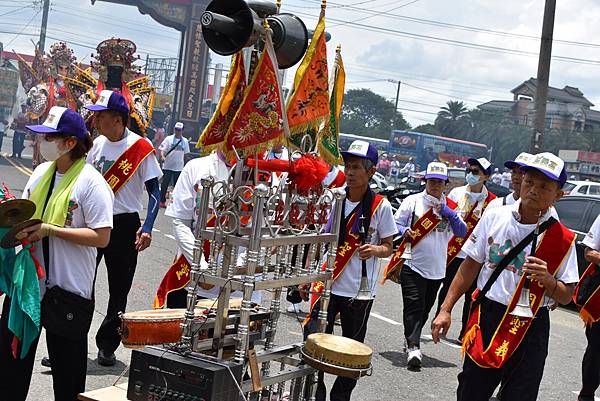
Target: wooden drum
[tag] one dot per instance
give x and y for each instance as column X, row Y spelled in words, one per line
column 337, row 355
column 151, row 327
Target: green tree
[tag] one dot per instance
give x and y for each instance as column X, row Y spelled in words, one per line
column 366, row 113
column 451, row 119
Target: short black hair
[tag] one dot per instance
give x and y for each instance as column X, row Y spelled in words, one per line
column 123, row 114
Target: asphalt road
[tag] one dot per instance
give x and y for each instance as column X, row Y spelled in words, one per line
column 390, row 381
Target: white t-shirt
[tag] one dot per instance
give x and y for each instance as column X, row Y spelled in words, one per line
column 499, row 231
column 174, row 161
column 465, row 204
column 382, row 226
column 428, row 257
column 497, row 178
column 592, row 238
column 72, row 266
column 102, row 156
column 510, row 199
column 506, row 179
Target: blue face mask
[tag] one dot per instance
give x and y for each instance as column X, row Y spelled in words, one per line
column 472, row 179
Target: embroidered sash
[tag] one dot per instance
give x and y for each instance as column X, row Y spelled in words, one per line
column 127, row 164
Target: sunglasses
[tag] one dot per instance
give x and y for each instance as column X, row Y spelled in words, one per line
column 475, row 170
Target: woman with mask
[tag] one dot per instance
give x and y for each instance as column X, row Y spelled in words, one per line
column 75, row 204
column 472, row 199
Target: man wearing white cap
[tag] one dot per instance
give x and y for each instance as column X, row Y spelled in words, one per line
column 507, row 334
column 516, row 176
column 128, row 163
column 428, row 220
column 172, row 153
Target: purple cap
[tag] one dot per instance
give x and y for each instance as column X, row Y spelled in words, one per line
column 437, row 170
column 483, row 163
column 109, row 100
column 362, row 149
column 520, row 161
column 550, row 165
column 62, row 121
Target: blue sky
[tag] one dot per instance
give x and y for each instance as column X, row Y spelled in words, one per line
column 434, row 60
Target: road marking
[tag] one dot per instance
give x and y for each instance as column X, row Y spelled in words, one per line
column 295, row 333
column 21, row 168
column 442, row 340
column 169, row 236
column 156, row 230
column 385, row 319
column 577, row 393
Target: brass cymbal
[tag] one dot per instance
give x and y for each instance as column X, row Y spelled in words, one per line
column 14, row 211
column 9, row 240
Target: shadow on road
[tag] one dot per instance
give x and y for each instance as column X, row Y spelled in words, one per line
column 398, row 359
column 93, row 369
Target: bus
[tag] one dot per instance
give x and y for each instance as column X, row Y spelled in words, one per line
column 382, row 145
column 425, row 148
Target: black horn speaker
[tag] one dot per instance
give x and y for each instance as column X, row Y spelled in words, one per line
column 290, row 39
column 228, row 26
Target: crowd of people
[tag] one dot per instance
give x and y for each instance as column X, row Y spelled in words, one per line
column 492, row 252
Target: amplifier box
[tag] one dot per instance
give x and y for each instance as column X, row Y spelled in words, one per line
column 159, row 374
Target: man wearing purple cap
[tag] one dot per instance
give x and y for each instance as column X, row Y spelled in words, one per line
column 423, row 273
column 516, row 176
column 371, row 214
column 128, row 163
column 518, row 273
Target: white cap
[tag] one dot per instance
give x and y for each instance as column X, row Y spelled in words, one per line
column 437, row 170
column 550, row 165
column 483, row 163
column 179, row 125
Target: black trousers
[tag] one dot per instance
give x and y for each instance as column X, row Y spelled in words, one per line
column 18, row 143
column 168, row 176
column 69, row 364
column 1, row 140
column 590, row 367
column 450, row 273
column 120, row 258
column 418, row 297
column 354, row 316
column 521, row 374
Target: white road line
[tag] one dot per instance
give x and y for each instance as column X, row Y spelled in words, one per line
column 577, row 393
column 156, row 230
column 295, row 333
column 385, row 319
column 169, row 236
column 443, row 341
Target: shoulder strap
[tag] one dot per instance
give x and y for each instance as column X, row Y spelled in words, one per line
column 504, row 201
column 46, row 240
column 512, row 254
column 174, row 146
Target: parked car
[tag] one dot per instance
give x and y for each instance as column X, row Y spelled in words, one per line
column 578, row 212
column 582, row 188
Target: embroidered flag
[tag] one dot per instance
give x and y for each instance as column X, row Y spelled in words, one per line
column 308, row 103
column 214, row 133
column 328, row 140
column 260, row 120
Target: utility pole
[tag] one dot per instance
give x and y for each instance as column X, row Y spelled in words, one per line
column 46, row 7
column 396, row 104
column 543, row 76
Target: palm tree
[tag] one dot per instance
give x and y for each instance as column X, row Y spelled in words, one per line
column 448, row 117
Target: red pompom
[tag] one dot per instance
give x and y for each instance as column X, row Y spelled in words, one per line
column 308, row 172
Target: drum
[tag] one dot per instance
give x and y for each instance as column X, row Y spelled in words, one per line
column 338, row 355
column 152, row 327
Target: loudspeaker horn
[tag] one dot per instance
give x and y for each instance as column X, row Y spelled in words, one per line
column 290, row 38
column 228, row 26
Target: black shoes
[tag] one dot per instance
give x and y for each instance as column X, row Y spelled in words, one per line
column 46, row 362
column 106, row 359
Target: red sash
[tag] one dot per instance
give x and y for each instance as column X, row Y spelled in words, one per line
column 423, row 226
column 127, row 164
column 178, row 275
column 456, row 243
column 590, row 310
column 553, row 249
column 344, row 254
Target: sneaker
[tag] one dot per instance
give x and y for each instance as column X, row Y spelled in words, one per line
column 414, row 357
column 293, row 308
column 46, row 362
column 163, row 205
column 106, row 358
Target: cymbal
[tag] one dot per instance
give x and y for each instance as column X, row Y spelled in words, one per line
column 15, row 211
column 9, row 240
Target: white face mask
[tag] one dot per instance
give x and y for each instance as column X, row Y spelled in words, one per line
column 50, row 150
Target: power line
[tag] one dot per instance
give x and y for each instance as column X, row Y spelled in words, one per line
column 375, row 14
column 22, row 30
column 467, row 27
column 455, row 43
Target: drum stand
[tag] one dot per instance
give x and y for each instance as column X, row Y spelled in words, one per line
column 265, row 224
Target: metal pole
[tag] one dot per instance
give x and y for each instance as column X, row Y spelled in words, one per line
column 395, row 104
column 543, row 76
column 46, row 7
column 177, row 84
